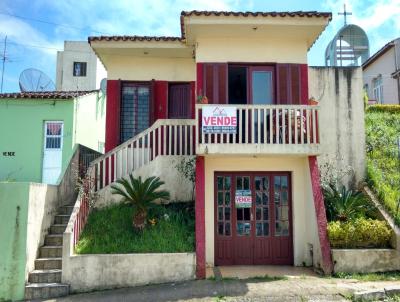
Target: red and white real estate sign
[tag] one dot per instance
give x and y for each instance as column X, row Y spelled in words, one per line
column 219, row 119
column 243, row 199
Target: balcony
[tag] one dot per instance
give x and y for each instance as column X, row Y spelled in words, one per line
column 259, row 129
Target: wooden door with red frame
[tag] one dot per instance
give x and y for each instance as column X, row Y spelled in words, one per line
column 259, row 233
column 179, row 101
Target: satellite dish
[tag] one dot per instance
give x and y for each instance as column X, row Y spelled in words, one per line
column 103, row 86
column 35, row 80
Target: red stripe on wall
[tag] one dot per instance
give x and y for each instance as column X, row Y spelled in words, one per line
column 304, row 83
column 160, row 100
column 200, row 219
column 199, row 79
column 112, row 114
column 193, row 98
column 327, row 264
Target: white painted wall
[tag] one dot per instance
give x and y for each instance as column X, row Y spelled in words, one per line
column 342, row 131
column 90, row 121
column 385, row 65
column 78, row 51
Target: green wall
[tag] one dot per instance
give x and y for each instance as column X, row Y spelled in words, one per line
column 21, row 131
column 14, row 199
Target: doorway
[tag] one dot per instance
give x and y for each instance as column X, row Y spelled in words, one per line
column 52, row 151
column 257, row 231
column 179, row 101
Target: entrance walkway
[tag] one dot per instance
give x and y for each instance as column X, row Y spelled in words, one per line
column 303, row 288
column 252, row 271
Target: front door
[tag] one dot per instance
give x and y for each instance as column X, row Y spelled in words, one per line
column 52, row 152
column 253, row 218
column 179, row 101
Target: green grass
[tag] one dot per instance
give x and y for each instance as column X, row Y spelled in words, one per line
column 109, row 231
column 386, row 276
column 382, row 131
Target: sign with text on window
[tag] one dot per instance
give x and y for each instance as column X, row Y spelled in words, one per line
column 219, row 119
column 243, row 199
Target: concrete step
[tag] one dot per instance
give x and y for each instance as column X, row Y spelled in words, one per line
column 53, row 239
column 45, row 290
column 45, row 276
column 65, row 210
column 61, row 219
column 48, row 263
column 58, row 228
column 49, row 251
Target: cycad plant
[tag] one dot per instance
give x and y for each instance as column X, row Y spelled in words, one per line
column 343, row 205
column 141, row 194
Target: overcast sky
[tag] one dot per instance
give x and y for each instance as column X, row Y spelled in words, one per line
column 35, row 44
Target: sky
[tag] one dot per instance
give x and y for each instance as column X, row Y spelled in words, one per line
column 33, row 44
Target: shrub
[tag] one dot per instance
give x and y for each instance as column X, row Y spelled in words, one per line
column 384, row 108
column 359, row 233
column 344, row 205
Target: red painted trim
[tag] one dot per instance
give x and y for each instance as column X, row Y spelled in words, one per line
column 199, row 79
column 112, row 114
column 200, row 219
column 161, row 100
column 304, row 84
column 193, row 98
column 327, row 264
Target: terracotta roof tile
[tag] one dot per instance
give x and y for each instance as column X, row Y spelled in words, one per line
column 45, row 94
column 133, row 38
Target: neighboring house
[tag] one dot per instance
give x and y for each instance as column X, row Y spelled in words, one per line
column 258, row 195
column 381, row 74
column 38, row 131
column 78, row 68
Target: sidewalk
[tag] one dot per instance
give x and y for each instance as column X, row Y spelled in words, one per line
column 304, row 288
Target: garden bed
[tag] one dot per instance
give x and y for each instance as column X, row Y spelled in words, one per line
column 170, row 229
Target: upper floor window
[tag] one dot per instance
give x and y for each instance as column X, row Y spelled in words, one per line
column 378, row 89
column 79, row 69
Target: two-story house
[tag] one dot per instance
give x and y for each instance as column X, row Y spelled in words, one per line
column 256, row 140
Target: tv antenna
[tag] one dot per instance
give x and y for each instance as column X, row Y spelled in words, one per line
column 32, row 79
column 4, row 59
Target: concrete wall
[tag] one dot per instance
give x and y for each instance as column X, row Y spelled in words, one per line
column 342, row 132
column 365, row 260
column 227, row 49
column 26, row 213
column 97, row 272
column 90, row 121
column 43, row 203
column 135, row 68
column 22, row 132
column 304, row 218
column 384, row 66
column 13, row 232
column 78, row 51
column 164, row 167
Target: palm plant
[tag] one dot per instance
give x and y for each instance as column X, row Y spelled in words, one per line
column 343, row 205
column 141, row 194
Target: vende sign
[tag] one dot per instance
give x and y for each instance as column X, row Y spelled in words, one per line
column 219, row 119
column 243, row 198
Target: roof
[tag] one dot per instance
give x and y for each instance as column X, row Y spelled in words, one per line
column 45, row 95
column 379, row 53
column 308, row 14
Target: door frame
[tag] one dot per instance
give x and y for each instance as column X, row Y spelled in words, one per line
column 45, row 122
column 252, row 174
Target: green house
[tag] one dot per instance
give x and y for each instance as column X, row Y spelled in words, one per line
column 38, row 131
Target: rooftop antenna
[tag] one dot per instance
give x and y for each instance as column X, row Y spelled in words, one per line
column 35, row 80
column 345, row 14
column 4, row 58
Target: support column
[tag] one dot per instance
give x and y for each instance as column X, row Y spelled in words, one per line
column 200, row 219
column 319, row 205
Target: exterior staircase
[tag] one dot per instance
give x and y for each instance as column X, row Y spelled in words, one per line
column 45, row 281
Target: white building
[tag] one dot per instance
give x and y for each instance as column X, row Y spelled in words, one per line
column 78, row 67
column 381, row 74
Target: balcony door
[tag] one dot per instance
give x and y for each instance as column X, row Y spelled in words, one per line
column 135, row 109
